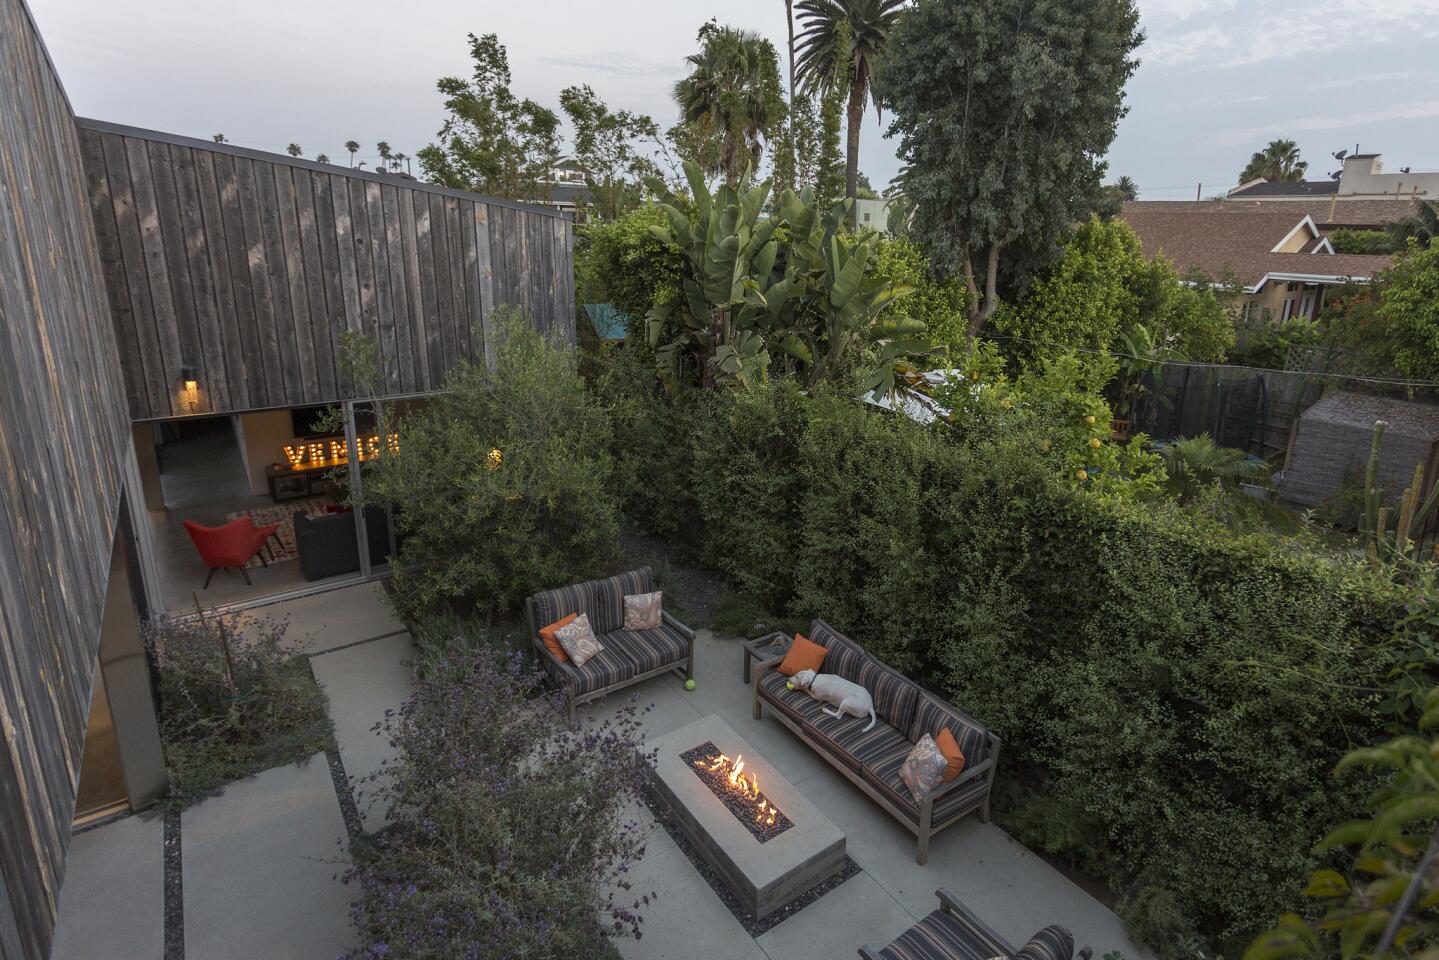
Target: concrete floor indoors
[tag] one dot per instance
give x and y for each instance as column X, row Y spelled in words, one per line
column 259, row 862
column 204, row 479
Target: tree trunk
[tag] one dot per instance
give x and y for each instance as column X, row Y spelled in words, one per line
column 984, row 309
column 857, row 93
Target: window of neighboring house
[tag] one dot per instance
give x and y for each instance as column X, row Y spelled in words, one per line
column 1306, row 305
column 866, row 218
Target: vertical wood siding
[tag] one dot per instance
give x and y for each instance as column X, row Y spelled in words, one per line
column 64, row 451
column 249, row 267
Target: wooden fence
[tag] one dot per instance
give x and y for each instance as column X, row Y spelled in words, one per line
column 247, row 268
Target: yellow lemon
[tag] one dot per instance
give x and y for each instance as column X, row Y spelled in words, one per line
column 1089, row 419
column 1095, row 443
column 1081, row 474
column 1044, row 446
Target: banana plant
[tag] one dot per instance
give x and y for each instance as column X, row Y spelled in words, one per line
column 756, row 295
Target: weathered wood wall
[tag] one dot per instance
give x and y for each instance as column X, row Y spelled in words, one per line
column 64, row 459
column 249, row 267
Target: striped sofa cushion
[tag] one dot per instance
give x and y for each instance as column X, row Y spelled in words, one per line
column 607, row 597
column 932, row 715
column 940, row 936
column 664, row 646
column 606, row 668
column 797, row 704
column 894, row 695
column 1052, row 943
column 951, row 803
column 827, row 636
column 550, row 606
column 845, row 737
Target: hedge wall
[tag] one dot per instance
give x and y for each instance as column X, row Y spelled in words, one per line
column 1172, row 698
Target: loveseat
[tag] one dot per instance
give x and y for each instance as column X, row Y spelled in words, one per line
column 629, row 656
column 872, row 760
column 953, row 932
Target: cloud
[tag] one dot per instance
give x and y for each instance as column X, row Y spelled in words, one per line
column 616, row 64
column 1418, row 110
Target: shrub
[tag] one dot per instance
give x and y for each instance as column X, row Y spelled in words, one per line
column 501, row 485
column 1371, row 242
column 1409, row 310
column 233, row 702
column 621, row 263
column 1176, row 687
column 942, row 305
column 506, row 837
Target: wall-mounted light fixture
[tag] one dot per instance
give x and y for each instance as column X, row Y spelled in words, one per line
column 190, row 387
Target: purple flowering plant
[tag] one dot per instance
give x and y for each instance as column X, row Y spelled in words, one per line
column 510, row 834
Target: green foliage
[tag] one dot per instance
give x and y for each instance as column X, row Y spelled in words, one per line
column 1393, row 546
column 995, row 162
column 1153, row 916
column 611, row 147
column 622, row 262
column 1383, row 901
column 1278, row 163
column 829, row 167
column 480, row 530
column 1101, row 291
column 234, row 702
column 1174, row 687
column 1409, row 312
column 1193, row 464
column 941, row 304
column 1267, row 346
column 731, row 102
column 492, row 142
column 1370, row 242
column 781, row 289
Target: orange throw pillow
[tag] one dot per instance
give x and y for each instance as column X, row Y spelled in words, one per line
column 804, row 654
column 552, row 642
column 950, row 748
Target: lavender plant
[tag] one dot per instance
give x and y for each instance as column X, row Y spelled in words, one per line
column 508, row 835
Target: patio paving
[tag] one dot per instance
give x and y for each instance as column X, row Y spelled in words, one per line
column 113, row 893
column 1012, row 889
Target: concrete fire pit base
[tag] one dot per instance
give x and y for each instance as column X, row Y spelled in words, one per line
column 764, row 876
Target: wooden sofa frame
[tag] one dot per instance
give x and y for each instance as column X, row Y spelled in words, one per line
column 951, row 905
column 924, row 829
column 561, row 674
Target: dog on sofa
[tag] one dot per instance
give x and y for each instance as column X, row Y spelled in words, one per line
column 847, row 698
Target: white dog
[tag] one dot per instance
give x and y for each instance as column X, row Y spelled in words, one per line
column 847, row 698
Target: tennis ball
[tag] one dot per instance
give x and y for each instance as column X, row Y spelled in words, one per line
column 788, row 685
column 689, row 684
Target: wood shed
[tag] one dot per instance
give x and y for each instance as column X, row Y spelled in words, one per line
column 1334, row 438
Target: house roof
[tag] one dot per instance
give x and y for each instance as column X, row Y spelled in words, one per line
column 1224, row 239
column 1293, row 188
column 1346, row 211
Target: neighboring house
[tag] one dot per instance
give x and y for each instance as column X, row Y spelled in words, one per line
column 1363, row 176
column 873, row 213
column 1278, row 255
column 566, row 190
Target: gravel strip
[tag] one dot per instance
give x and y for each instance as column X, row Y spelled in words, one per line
column 174, row 891
column 754, row 927
column 345, row 793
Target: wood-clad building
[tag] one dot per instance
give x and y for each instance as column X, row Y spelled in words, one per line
column 249, row 268
column 67, row 470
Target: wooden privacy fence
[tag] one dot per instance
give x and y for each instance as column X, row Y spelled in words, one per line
column 242, row 270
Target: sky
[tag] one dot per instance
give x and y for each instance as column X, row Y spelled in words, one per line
column 1218, row 78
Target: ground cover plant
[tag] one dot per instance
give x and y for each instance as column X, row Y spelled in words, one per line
column 233, row 701
column 507, row 834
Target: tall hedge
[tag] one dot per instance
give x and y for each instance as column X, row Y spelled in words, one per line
column 1172, row 699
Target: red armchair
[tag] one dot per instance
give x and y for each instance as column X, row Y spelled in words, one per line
column 231, row 545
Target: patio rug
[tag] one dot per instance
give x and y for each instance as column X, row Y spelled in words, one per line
column 283, row 514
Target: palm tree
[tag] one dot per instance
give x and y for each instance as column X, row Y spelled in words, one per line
column 219, row 138
column 383, row 149
column 353, row 147
column 1127, row 189
column 823, row 66
column 1278, row 163
column 732, row 96
column 400, row 160
column 322, row 158
column 1194, row 463
column 294, row 150
column 1422, row 226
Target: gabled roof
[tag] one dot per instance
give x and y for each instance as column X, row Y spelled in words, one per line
column 1327, row 212
column 1240, row 239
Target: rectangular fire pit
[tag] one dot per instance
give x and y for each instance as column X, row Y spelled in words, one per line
column 764, row 865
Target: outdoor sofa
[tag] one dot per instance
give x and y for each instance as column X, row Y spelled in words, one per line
column 954, row 933
column 872, row 760
column 629, row 656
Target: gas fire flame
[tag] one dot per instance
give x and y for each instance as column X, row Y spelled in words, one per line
column 746, row 788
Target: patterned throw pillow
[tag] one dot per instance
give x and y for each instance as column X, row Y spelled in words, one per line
column 578, row 640
column 924, row 768
column 642, row 611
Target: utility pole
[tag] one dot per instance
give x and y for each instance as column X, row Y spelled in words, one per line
column 1199, row 191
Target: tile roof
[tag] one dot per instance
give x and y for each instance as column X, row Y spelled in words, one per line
column 1228, row 239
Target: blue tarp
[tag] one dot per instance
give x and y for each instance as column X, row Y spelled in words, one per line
column 609, row 323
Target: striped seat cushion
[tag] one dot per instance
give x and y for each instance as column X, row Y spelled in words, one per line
column 1052, row 943
column 607, row 598
column 797, row 704
column 845, row 737
column 664, row 646
column 827, row 636
column 550, row 606
column 606, row 668
column 883, row 774
column 940, row 936
column 895, row 696
column 932, row 715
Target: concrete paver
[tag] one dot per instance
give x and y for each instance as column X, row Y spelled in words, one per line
column 113, row 899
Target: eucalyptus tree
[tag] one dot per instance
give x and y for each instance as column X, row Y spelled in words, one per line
column 1004, row 111
column 838, row 49
column 731, row 102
